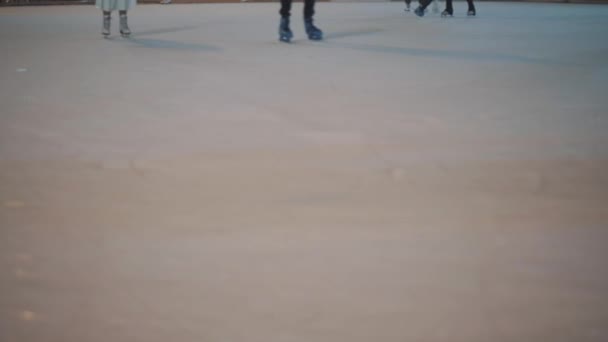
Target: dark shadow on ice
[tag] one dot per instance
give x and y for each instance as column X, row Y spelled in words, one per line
column 164, row 30
column 450, row 54
column 170, row 44
column 353, row 33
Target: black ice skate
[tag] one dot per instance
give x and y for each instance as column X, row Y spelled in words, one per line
column 419, row 12
column 447, row 13
column 471, row 12
column 312, row 31
column 285, row 33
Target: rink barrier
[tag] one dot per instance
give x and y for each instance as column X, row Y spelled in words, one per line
column 4, row 3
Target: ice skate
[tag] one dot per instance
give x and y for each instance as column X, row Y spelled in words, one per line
column 313, row 32
column 124, row 27
column 107, row 20
column 285, row 33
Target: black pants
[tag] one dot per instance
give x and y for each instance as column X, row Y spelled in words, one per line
column 449, row 8
column 448, row 5
column 309, row 8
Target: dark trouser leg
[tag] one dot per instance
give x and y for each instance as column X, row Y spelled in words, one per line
column 471, row 5
column 408, row 2
column 309, row 9
column 313, row 32
column 425, row 3
column 285, row 11
column 448, row 6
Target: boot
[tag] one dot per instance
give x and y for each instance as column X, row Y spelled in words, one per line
column 285, row 33
column 124, row 27
column 471, row 12
column 107, row 20
column 312, row 31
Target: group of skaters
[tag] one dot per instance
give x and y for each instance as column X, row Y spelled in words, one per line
column 285, row 33
column 447, row 12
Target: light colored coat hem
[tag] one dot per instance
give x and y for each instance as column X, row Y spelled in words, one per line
column 115, row 5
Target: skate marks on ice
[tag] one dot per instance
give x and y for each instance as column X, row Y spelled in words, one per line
column 450, row 54
column 13, row 204
column 340, row 34
column 352, row 33
column 168, row 44
column 204, row 231
column 165, row 30
column 173, row 45
column 153, row 43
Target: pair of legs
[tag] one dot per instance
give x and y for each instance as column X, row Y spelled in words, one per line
column 449, row 9
column 312, row 31
column 107, row 21
column 108, row 6
column 309, row 9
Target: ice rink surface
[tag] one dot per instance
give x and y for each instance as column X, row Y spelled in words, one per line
column 407, row 179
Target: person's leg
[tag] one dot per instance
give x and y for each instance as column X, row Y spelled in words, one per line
column 106, row 6
column 285, row 10
column 124, row 26
column 408, row 5
column 107, row 21
column 285, row 33
column 423, row 5
column 309, row 9
column 313, row 32
column 471, row 11
column 449, row 10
